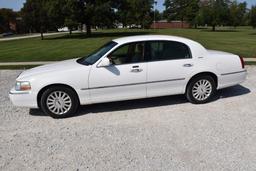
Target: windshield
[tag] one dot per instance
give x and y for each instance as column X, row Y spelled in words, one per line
column 96, row 55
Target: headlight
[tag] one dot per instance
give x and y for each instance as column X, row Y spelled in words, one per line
column 22, row 86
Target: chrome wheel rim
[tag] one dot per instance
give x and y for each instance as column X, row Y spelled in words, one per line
column 202, row 89
column 59, row 102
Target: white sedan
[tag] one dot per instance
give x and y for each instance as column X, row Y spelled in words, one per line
column 129, row 68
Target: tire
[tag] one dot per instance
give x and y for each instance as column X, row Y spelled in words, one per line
column 59, row 102
column 201, row 89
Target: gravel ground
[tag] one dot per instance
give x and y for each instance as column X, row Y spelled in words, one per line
column 164, row 133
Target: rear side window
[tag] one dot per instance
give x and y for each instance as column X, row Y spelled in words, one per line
column 167, row 50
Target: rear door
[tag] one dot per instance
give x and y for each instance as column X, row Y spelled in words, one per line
column 169, row 64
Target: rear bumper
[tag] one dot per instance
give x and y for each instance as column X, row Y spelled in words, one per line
column 23, row 99
column 231, row 79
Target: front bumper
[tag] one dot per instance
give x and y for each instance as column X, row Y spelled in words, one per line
column 23, row 99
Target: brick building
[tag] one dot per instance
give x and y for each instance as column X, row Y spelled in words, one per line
column 164, row 24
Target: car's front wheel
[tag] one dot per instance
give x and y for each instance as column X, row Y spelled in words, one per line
column 59, row 102
column 201, row 89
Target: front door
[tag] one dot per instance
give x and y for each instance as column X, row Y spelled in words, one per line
column 124, row 79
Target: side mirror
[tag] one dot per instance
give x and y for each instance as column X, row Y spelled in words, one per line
column 105, row 62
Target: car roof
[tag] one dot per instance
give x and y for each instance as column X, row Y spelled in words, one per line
column 130, row 39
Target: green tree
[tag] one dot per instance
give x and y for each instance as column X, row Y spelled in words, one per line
column 104, row 14
column 56, row 14
column 237, row 13
column 71, row 15
column 141, row 12
column 71, row 24
column 6, row 16
column 158, row 15
column 89, row 13
column 253, row 16
column 182, row 10
column 122, row 12
column 215, row 12
column 192, row 12
column 92, row 11
column 35, row 16
column 176, row 9
column 44, row 15
column 134, row 12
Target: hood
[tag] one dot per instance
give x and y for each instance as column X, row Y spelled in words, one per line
column 50, row 68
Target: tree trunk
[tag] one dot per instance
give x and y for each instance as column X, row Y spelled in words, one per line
column 213, row 27
column 70, row 31
column 88, row 29
column 42, row 35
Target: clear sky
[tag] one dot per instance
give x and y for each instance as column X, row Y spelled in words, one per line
column 17, row 4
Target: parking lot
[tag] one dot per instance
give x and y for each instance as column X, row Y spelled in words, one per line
column 166, row 133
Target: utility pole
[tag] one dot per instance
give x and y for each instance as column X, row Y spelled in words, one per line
column 155, row 3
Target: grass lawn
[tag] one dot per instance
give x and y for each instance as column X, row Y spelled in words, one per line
column 241, row 41
column 17, row 67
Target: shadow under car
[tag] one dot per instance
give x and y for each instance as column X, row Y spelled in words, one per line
column 234, row 91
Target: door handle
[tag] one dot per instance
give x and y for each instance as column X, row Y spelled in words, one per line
column 188, row 65
column 136, row 70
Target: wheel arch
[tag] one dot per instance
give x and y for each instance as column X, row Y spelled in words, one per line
column 40, row 93
column 207, row 73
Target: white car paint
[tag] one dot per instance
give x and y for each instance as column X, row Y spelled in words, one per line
column 94, row 84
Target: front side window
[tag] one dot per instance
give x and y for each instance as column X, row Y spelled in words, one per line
column 129, row 53
column 168, row 50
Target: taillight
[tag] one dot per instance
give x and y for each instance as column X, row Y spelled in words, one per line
column 242, row 61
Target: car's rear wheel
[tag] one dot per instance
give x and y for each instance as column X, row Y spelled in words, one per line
column 59, row 102
column 201, row 89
